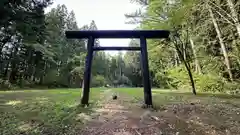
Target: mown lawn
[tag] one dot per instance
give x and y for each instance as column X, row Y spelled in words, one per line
column 56, row 111
column 43, row 111
column 163, row 97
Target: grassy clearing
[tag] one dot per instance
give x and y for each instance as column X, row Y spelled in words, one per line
column 164, row 97
column 43, row 112
column 57, row 111
column 205, row 113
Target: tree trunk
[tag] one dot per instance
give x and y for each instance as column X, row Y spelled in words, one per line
column 14, row 64
column 34, row 64
column 184, row 51
column 2, row 44
column 197, row 65
column 13, row 75
column 234, row 16
column 29, row 64
column 188, row 67
column 43, row 74
column 6, row 73
column 175, row 59
column 33, row 74
column 219, row 35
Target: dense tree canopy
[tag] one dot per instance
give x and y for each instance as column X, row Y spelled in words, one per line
column 207, row 44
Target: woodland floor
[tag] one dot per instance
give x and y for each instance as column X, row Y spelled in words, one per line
column 56, row 112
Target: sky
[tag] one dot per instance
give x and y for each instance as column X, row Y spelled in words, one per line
column 107, row 14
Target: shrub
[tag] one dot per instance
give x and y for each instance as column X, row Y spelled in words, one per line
column 22, row 83
column 98, row 81
column 179, row 79
column 5, row 85
column 52, row 79
column 124, row 81
column 210, row 83
column 232, row 88
column 161, row 80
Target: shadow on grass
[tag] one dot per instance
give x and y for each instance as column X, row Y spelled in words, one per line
column 43, row 113
column 217, row 95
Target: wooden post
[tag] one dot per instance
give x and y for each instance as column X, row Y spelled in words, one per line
column 142, row 34
column 87, row 72
column 145, row 72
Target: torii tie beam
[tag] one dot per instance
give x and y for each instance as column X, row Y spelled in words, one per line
column 140, row 34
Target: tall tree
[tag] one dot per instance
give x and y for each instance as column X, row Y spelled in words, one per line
column 227, row 62
column 234, row 14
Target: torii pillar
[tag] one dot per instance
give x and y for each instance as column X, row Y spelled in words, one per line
column 140, row 34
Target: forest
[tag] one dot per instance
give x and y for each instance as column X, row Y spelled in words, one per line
column 202, row 51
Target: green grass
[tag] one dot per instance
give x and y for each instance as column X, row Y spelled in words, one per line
column 164, row 97
column 206, row 112
column 56, row 111
column 43, row 112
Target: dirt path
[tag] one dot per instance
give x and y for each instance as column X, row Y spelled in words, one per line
column 115, row 117
column 125, row 117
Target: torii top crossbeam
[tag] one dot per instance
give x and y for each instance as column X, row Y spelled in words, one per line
column 140, row 34
column 118, row 34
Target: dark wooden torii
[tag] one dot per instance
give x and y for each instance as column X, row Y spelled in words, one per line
column 141, row 34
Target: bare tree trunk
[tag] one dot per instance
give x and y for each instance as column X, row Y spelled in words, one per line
column 184, row 52
column 179, row 46
column 188, row 67
column 234, row 16
column 33, row 73
column 178, row 60
column 175, row 59
column 227, row 63
column 44, row 73
column 197, row 65
column 6, row 72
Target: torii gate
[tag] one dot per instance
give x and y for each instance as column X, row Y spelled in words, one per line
column 141, row 34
